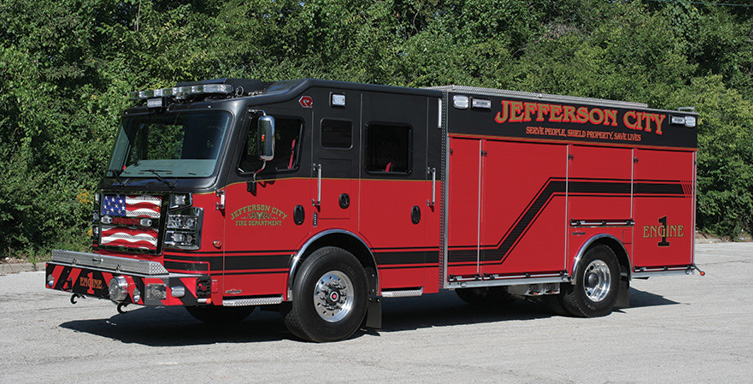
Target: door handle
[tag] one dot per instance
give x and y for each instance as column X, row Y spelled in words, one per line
column 318, row 201
column 433, row 171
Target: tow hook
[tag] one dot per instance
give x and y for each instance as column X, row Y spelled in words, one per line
column 121, row 306
column 75, row 297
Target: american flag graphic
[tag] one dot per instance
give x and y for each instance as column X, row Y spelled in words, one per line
column 132, row 234
column 131, row 206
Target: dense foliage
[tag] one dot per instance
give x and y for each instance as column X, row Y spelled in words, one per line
column 66, row 67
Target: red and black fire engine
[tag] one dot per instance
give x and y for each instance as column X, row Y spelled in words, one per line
column 324, row 197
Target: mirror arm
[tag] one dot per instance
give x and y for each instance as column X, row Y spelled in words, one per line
column 265, row 144
column 251, row 185
column 263, row 165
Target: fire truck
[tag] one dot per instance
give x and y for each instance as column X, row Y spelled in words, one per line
column 322, row 198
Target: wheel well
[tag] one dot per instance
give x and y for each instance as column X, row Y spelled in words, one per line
column 619, row 251
column 617, row 247
column 623, row 296
column 349, row 243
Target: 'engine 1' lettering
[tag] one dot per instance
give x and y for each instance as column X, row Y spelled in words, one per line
column 663, row 231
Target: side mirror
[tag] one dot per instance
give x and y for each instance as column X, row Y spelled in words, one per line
column 265, row 137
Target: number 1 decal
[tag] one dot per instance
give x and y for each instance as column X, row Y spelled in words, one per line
column 663, row 242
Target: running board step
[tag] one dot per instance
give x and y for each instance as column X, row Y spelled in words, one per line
column 404, row 293
column 271, row 300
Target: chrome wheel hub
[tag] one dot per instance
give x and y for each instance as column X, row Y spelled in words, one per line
column 333, row 296
column 597, row 280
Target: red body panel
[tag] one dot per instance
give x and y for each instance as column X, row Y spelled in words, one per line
column 609, row 166
column 514, row 174
column 260, row 236
column 510, row 231
column 463, row 229
column 406, row 252
column 511, row 205
column 673, row 211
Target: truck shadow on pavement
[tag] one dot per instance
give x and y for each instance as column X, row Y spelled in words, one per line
column 446, row 309
column 640, row 299
column 173, row 326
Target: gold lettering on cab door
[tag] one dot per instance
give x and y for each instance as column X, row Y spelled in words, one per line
column 258, row 215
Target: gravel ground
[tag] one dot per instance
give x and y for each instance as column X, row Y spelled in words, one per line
column 679, row 329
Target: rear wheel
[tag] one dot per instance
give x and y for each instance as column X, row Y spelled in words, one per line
column 554, row 303
column 212, row 314
column 596, row 285
column 485, row 295
column 329, row 296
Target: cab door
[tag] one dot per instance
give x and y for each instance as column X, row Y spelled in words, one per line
column 335, row 161
column 397, row 215
column 263, row 221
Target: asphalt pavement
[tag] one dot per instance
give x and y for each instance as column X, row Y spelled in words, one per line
column 679, row 329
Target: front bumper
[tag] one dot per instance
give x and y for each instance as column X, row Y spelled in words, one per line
column 148, row 282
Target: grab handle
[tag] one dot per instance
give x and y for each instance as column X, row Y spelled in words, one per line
column 433, row 172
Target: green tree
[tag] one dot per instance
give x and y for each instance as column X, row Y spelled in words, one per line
column 725, row 156
column 67, row 67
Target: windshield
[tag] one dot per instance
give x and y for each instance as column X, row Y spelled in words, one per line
column 179, row 144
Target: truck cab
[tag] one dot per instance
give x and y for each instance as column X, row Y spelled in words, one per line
column 218, row 192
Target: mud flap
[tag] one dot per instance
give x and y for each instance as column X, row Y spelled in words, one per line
column 374, row 313
column 623, row 296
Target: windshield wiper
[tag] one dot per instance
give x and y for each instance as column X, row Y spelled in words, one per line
column 117, row 173
column 155, row 172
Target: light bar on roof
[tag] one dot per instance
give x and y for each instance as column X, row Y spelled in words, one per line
column 184, row 92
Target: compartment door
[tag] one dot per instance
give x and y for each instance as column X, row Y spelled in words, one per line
column 664, row 209
column 464, row 209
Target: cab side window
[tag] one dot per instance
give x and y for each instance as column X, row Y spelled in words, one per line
column 388, row 148
column 337, row 134
column 287, row 147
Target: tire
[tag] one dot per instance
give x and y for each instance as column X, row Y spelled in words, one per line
column 330, row 296
column 554, row 304
column 485, row 296
column 597, row 284
column 212, row 314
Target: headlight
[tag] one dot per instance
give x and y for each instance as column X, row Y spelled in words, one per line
column 180, row 238
column 184, row 229
column 182, row 222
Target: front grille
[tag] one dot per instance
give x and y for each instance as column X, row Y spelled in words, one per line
column 130, row 222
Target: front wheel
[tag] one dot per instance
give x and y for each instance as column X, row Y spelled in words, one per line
column 329, row 296
column 596, row 286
